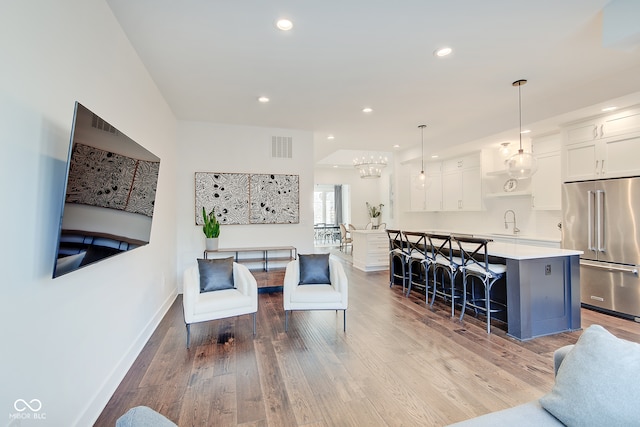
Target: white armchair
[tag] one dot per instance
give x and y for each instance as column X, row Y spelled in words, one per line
column 329, row 296
column 202, row 307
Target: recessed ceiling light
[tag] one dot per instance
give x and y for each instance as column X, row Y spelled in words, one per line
column 263, row 99
column 335, row 166
column 367, row 110
column 526, row 131
column 611, row 108
column 396, row 145
column 434, row 156
column 284, row 24
column 331, row 137
column 443, row 51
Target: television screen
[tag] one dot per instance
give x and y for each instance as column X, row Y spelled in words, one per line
column 110, row 191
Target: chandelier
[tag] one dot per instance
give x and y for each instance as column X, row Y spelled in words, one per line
column 370, row 167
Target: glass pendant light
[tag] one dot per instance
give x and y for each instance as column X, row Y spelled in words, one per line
column 522, row 164
column 504, row 150
column 422, row 175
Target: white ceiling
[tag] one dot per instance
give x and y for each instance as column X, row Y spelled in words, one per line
column 211, row 59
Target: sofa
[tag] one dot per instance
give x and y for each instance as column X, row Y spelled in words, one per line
column 597, row 384
column 143, row 416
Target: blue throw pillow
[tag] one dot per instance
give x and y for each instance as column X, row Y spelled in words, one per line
column 314, row 269
column 215, row 274
column 598, row 382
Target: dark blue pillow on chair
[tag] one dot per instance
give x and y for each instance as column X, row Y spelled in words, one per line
column 215, row 274
column 314, row 269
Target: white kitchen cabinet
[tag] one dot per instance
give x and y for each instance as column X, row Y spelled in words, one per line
column 607, row 147
column 427, row 195
column 370, row 250
column 433, row 190
column 613, row 125
column 605, row 158
column 462, row 184
column 546, row 183
column 416, row 193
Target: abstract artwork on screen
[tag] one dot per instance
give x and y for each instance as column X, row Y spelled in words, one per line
column 110, row 180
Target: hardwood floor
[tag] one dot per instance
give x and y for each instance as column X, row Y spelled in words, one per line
column 399, row 363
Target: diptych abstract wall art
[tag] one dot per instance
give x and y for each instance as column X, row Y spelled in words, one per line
column 248, row 198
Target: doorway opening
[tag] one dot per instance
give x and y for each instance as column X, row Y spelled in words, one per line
column 331, row 208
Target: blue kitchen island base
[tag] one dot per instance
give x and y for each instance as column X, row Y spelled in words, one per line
column 543, row 296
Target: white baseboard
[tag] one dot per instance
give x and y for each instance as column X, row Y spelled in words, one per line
column 101, row 398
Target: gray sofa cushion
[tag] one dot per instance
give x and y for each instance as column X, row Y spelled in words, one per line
column 598, row 383
column 143, row 416
column 527, row 415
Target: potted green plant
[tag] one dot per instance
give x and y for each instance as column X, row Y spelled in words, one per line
column 374, row 213
column 211, row 229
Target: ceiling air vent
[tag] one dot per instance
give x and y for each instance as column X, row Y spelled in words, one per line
column 100, row 124
column 281, row 147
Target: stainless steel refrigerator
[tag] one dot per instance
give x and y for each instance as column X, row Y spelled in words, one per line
column 602, row 218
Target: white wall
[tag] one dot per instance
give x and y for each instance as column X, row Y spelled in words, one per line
column 69, row 341
column 541, row 224
column 209, row 147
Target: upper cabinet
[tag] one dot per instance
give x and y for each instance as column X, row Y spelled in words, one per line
column 546, row 187
column 606, row 147
column 452, row 185
column 427, row 195
column 462, row 184
column 433, row 187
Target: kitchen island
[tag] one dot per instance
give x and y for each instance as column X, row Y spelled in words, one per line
column 542, row 283
column 370, row 249
column 543, row 289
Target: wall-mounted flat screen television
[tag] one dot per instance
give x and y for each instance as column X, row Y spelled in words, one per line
column 110, row 191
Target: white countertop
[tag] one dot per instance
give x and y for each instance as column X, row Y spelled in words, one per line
column 519, row 251
column 513, row 248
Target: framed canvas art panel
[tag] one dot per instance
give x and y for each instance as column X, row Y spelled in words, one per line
column 228, row 193
column 274, row 199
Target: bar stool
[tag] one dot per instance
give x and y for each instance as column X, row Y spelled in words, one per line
column 398, row 256
column 444, row 261
column 475, row 264
column 420, row 255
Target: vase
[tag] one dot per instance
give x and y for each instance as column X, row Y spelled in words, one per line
column 211, row 243
column 375, row 221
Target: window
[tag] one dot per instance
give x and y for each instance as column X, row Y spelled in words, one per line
column 324, row 205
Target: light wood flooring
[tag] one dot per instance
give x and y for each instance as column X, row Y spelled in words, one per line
column 398, row 364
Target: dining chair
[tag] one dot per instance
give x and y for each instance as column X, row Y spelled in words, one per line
column 345, row 239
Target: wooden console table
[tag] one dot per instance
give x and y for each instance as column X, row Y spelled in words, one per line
column 266, row 254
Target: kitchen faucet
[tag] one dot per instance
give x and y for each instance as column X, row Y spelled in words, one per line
column 516, row 230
